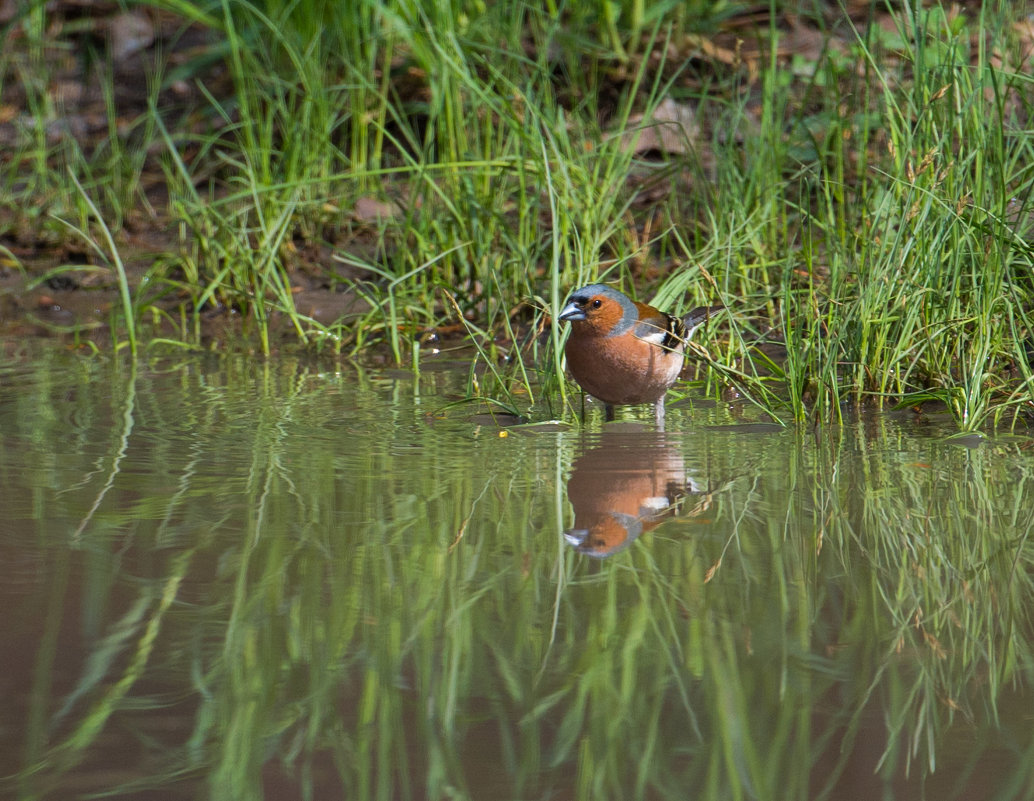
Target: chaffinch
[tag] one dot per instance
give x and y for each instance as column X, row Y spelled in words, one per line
column 623, row 352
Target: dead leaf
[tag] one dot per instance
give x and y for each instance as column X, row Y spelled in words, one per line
column 368, row 209
column 672, row 128
column 129, row 33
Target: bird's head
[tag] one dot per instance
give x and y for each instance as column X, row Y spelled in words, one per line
column 600, row 307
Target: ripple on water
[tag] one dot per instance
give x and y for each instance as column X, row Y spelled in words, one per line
column 300, row 557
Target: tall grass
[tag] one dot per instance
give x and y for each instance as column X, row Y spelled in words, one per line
column 865, row 206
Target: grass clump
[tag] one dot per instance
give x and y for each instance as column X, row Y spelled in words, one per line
column 853, row 186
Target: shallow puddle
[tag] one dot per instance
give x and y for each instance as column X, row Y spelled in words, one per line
column 233, row 578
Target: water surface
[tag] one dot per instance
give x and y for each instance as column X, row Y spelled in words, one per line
column 233, row 578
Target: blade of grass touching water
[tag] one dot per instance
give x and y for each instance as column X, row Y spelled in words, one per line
column 112, row 253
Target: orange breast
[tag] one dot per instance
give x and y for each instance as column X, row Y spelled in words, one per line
column 621, row 370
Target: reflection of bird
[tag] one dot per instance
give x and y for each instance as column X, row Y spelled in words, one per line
column 624, row 352
column 626, row 485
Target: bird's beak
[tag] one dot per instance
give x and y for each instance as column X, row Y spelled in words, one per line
column 572, row 311
column 576, row 536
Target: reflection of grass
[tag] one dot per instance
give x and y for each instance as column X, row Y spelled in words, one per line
column 867, row 208
column 395, row 612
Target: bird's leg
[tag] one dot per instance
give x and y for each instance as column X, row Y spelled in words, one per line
column 608, row 412
column 658, row 413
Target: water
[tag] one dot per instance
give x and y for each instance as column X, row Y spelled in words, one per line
column 238, row 579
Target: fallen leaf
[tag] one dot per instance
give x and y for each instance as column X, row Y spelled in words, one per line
column 129, row 33
column 672, row 128
column 368, row 209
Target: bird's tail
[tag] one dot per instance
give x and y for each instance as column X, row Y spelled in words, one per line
column 699, row 316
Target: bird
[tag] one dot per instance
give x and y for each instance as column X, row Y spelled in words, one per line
column 623, row 352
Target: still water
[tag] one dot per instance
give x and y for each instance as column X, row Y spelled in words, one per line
column 235, row 579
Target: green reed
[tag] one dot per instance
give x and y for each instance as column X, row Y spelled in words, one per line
column 923, row 290
column 863, row 209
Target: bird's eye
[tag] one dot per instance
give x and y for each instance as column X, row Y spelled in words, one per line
column 597, row 303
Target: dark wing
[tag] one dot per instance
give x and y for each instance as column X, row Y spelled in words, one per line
column 697, row 317
column 662, row 329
